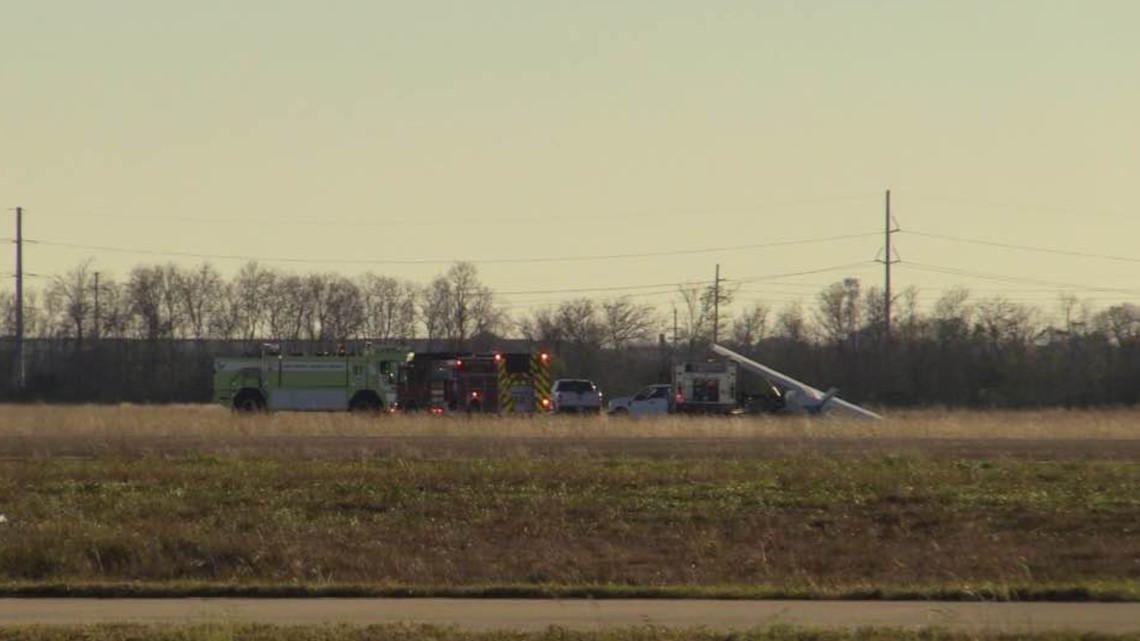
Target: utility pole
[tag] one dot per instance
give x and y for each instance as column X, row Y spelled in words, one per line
column 716, row 305
column 889, row 228
column 19, row 299
column 674, row 328
column 96, row 329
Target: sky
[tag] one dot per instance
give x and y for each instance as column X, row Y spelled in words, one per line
column 586, row 148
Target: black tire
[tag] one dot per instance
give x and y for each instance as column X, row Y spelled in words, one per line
column 249, row 401
column 619, row 411
column 365, row 402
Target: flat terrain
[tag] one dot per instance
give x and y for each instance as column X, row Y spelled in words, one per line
column 131, row 431
column 537, row 615
column 190, row 500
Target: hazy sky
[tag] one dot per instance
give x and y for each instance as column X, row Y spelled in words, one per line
column 667, row 135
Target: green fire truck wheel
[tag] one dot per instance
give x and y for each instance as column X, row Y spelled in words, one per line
column 249, row 401
column 365, row 402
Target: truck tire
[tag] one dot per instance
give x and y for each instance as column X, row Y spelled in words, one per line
column 249, row 401
column 365, row 402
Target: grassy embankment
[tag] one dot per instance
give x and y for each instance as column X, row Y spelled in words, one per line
column 134, row 516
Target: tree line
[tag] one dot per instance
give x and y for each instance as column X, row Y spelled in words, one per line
column 961, row 351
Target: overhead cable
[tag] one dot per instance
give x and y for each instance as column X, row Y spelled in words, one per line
column 1014, row 279
column 419, row 221
column 1031, row 248
column 671, row 286
column 436, row 261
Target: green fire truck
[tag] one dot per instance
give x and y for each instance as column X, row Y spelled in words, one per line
column 363, row 381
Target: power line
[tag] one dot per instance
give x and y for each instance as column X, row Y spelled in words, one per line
column 582, row 290
column 418, row 221
column 1014, row 279
column 810, row 272
column 671, row 287
column 1030, row 248
column 433, row 261
column 1105, row 213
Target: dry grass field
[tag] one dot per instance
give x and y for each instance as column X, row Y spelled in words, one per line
column 210, row 421
column 196, row 500
column 130, row 430
column 235, row 632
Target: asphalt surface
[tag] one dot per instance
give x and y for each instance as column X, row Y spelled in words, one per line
column 529, row 615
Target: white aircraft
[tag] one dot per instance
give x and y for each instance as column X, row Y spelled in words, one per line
column 797, row 395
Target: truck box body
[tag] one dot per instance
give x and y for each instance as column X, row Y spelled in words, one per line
column 323, row 382
column 705, row 387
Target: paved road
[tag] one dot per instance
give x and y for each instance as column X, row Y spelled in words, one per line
column 484, row 614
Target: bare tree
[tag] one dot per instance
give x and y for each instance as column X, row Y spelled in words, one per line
column 197, row 293
column 699, row 304
column 751, row 326
column 72, row 294
column 340, row 313
column 909, row 320
column 838, row 314
column 147, row 291
column 289, row 317
column 459, row 306
column 542, row 327
column 114, row 313
column 389, row 307
column 434, row 309
column 7, row 313
column 33, row 316
column 1121, row 323
column 625, row 322
column 252, row 297
column 1076, row 315
column 172, row 306
column 792, row 323
column 953, row 315
column 580, row 323
column 1005, row 323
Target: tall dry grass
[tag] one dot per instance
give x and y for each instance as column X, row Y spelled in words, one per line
column 118, row 421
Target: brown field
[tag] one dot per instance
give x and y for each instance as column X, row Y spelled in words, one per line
column 194, row 499
column 133, row 430
column 115, row 421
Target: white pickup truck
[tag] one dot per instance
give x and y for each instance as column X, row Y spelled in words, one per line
column 653, row 400
column 575, row 396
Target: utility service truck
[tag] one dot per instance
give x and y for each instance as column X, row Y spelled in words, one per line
column 698, row 387
column 271, row 380
column 711, row 387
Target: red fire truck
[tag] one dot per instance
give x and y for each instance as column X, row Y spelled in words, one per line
column 495, row 382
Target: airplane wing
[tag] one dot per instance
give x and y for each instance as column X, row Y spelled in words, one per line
column 818, row 400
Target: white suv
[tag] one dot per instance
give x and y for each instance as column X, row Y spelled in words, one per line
column 575, row 395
